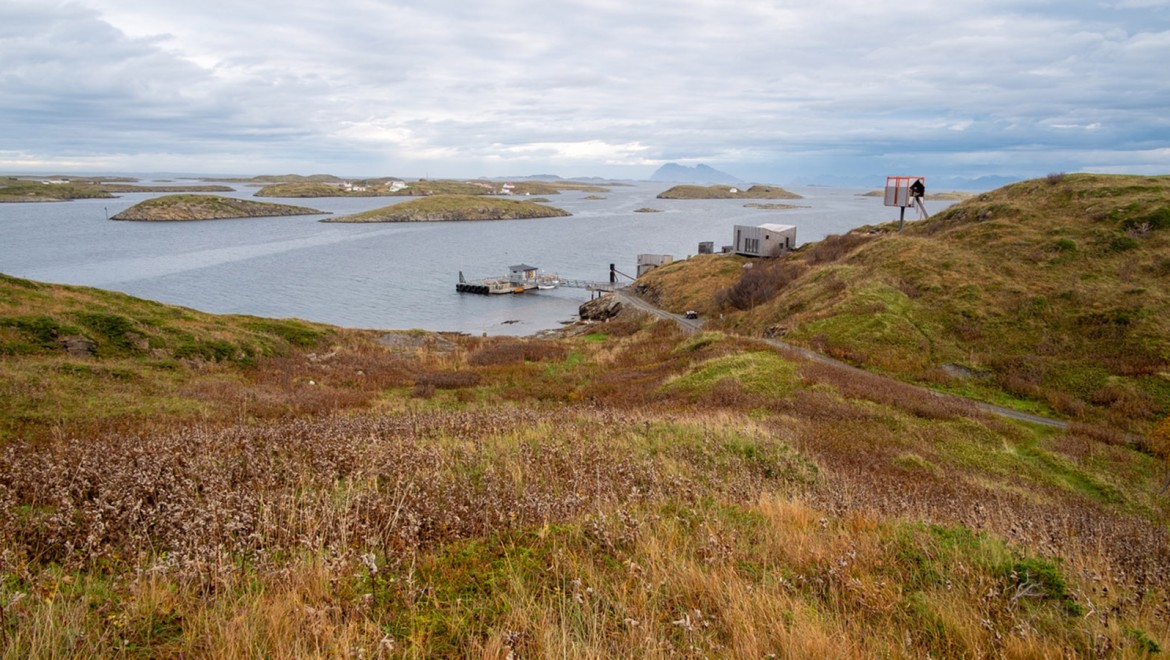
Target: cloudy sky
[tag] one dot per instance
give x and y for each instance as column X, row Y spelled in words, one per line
column 778, row 91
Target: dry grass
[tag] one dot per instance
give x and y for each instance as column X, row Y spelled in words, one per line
column 630, row 494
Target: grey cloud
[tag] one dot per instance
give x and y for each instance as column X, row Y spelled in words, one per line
column 768, row 86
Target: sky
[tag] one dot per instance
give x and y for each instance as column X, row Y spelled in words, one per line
column 836, row 91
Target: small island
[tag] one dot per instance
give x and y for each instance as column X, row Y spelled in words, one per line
column 727, row 192
column 647, row 209
column 447, row 208
column 772, row 207
column 167, row 188
column 64, row 189
column 13, row 189
column 947, row 196
column 324, row 186
column 175, row 208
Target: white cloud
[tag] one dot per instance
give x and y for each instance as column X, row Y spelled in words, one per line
column 598, row 86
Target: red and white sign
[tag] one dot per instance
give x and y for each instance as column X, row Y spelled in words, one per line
column 898, row 190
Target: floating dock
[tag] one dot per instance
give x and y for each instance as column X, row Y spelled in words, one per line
column 523, row 277
column 520, row 278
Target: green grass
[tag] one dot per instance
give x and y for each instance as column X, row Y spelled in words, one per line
column 754, row 372
column 1056, row 288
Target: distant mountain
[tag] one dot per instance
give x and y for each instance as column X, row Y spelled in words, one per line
column 675, row 173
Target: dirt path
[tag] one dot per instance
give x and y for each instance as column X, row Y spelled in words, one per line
column 691, row 326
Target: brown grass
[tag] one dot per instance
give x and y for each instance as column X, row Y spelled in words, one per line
column 561, row 500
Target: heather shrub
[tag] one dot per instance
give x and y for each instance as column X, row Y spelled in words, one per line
column 759, row 284
column 511, row 351
column 834, row 247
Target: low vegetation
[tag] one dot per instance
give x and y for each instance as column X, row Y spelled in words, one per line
column 772, row 207
column 533, row 187
column 442, row 208
column 14, row 189
column 198, row 485
column 1047, row 295
column 170, row 208
column 163, row 188
column 61, row 189
column 726, row 192
column 310, row 189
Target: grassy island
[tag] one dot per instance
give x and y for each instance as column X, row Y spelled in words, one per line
column 379, row 188
column 13, row 189
column 727, row 192
column 62, row 190
column 390, row 187
column 772, row 207
column 443, row 208
column 206, row 207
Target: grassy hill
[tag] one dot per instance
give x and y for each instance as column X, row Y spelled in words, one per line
column 1048, row 295
column 177, row 484
column 444, row 208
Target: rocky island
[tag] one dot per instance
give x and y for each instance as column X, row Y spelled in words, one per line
column 444, row 208
column 169, row 208
column 727, row 192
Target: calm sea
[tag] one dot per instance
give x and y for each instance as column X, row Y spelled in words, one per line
column 389, row 276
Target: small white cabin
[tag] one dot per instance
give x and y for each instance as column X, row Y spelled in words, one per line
column 522, row 274
column 648, row 262
column 764, row 240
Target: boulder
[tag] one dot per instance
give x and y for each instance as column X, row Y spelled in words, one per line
column 78, row 346
column 600, row 309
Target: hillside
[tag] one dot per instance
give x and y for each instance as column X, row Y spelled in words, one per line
column 1049, row 295
column 178, row 484
column 170, row 208
column 726, row 192
column 444, row 208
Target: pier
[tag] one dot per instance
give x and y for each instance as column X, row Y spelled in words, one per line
column 522, row 278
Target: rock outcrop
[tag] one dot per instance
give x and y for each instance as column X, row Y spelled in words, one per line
column 600, row 309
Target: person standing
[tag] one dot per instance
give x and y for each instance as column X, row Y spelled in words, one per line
column 917, row 191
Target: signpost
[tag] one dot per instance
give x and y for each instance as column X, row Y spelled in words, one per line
column 903, row 191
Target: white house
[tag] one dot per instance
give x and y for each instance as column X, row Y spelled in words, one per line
column 764, row 240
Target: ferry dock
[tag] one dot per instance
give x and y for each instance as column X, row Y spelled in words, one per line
column 522, row 278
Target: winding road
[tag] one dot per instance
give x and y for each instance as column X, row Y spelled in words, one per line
column 691, row 326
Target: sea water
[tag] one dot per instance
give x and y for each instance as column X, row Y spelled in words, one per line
column 392, row 275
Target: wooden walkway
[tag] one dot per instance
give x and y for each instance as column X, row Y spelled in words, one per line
column 607, row 287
